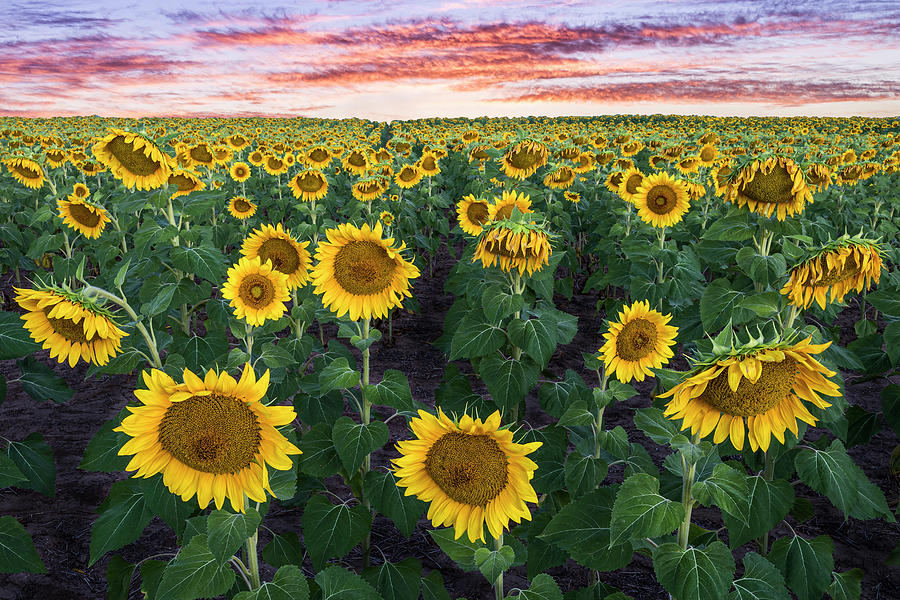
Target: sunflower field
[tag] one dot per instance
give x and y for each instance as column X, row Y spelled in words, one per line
column 572, row 358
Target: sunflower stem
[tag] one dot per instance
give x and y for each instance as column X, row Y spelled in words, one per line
column 248, row 341
column 598, row 422
column 122, row 302
column 253, row 560
column 239, row 565
column 498, row 584
column 366, row 417
column 662, row 244
column 795, row 310
column 768, row 475
column 687, row 500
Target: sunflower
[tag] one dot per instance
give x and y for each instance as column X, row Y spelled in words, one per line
column 366, row 190
column 631, row 181
column 523, row 159
column 70, row 325
column 408, row 176
column 187, row 182
column 237, row 141
column 55, row 157
column 256, row 158
column 79, row 190
column 89, row 167
column 360, row 273
column 82, row 216
column 309, row 185
column 774, row 185
column 584, row 163
column 573, row 197
column 479, row 153
column 638, row 341
column 25, row 171
column 560, row 178
column 239, row 171
column 503, row 206
column 848, row 263
column 688, row 165
column 472, row 214
column 472, row 473
column 755, row 392
column 211, row 437
column 274, row 165
column 317, row 156
column 512, row 245
column 428, row 165
column 356, row 162
column 256, row 290
column 201, row 154
column 386, row 218
column 287, row 255
column 134, row 159
column 613, row 181
column 661, row 200
column 241, row 207
column 708, row 154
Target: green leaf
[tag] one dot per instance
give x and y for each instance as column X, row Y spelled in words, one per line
column 433, row 587
column 17, row 551
column 557, row 396
column 200, row 352
column 805, row 564
column 203, row 261
column 862, row 425
column 719, row 304
column 393, row 390
column 276, row 356
column 770, row 501
column 890, row 406
column 396, row 581
column 289, row 583
column 461, row 550
column 15, row 341
column 101, row 454
column 727, row 489
column 122, row 520
column 581, row 528
column 41, row 383
column 833, row 473
column 731, row 228
column 535, row 338
column 658, row 428
column 338, row 375
column 226, row 532
column 381, row 491
column 121, row 273
column 9, row 473
column 694, row 573
column 846, row 585
column 284, row 549
column 355, row 441
column 885, row 300
column 151, row 575
column 492, row 563
column 576, row 415
column 168, row 506
column 330, row 531
column 195, row 573
column 543, row 587
column 34, row 458
column 118, row 578
column 508, row 381
column 892, row 341
column 764, row 304
column 475, row 337
column 338, row 583
column 639, row 511
column 584, row 473
column 319, row 458
column 159, row 302
column 498, row 304
column 761, row 581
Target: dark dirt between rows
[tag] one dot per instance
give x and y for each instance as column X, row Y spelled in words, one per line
column 60, row 526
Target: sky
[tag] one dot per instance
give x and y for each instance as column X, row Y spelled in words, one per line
column 400, row 59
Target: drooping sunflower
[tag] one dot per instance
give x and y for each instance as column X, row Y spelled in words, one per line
column 573, row 197
column 560, row 178
column 846, row 264
column 408, row 176
column 472, row 214
column 69, row 325
column 309, row 185
column 133, row 159
column 256, row 290
column 239, row 171
column 584, row 163
column 631, row 181
column 639, row 341
column 360, row 273
column 209, row 437
column 472, row 473
column 83, row 216
column 503, row 205
column 187, row 182
column 241, row 207
column 200, row 154
column 753, row 392
column 237, row 142
column 56, row 157
column 25, row 171
column 774, row 185
column 511, row 245
column 661, row 200
column 368, row 189
column 287, row 255
column 523, row 159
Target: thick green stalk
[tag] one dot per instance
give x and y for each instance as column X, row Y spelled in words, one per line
column 768, row 474
column 498, row 584
column 148, row 338
column 689, row 470
column 366, row 417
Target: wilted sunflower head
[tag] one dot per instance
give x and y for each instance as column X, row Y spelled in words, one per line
column 186, row 181
column 755, row 391
column 523, row 159
column 513, row 245
column 560, row 178
column 772, row 185
column 133, row 159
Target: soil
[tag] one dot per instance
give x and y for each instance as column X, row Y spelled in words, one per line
column 60, row 526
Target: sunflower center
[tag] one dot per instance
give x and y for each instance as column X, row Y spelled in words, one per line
column 636, row 340
column 408, row 174
column 832, row 276
column 131, row 158
column 661, row 199
column 241, row 205
column 56, row 156
column 256, row 291
column 751, row 399
column 282, row 253
column 477, row 213
column 524, row 158
column 274, row 163
column 707, row 154
column 318, row 155
column 184, row 183
column 356, row 159
column 26, row 172
column 84, row 215
column 69, row 329
column 428, row 163
column 471, row 469
column 633, row 183
column 81, row 192
column 213, row 434
column 773, row 187
column 201, row 154
column 363, row 268
column 309, row 182
column 240, row 171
